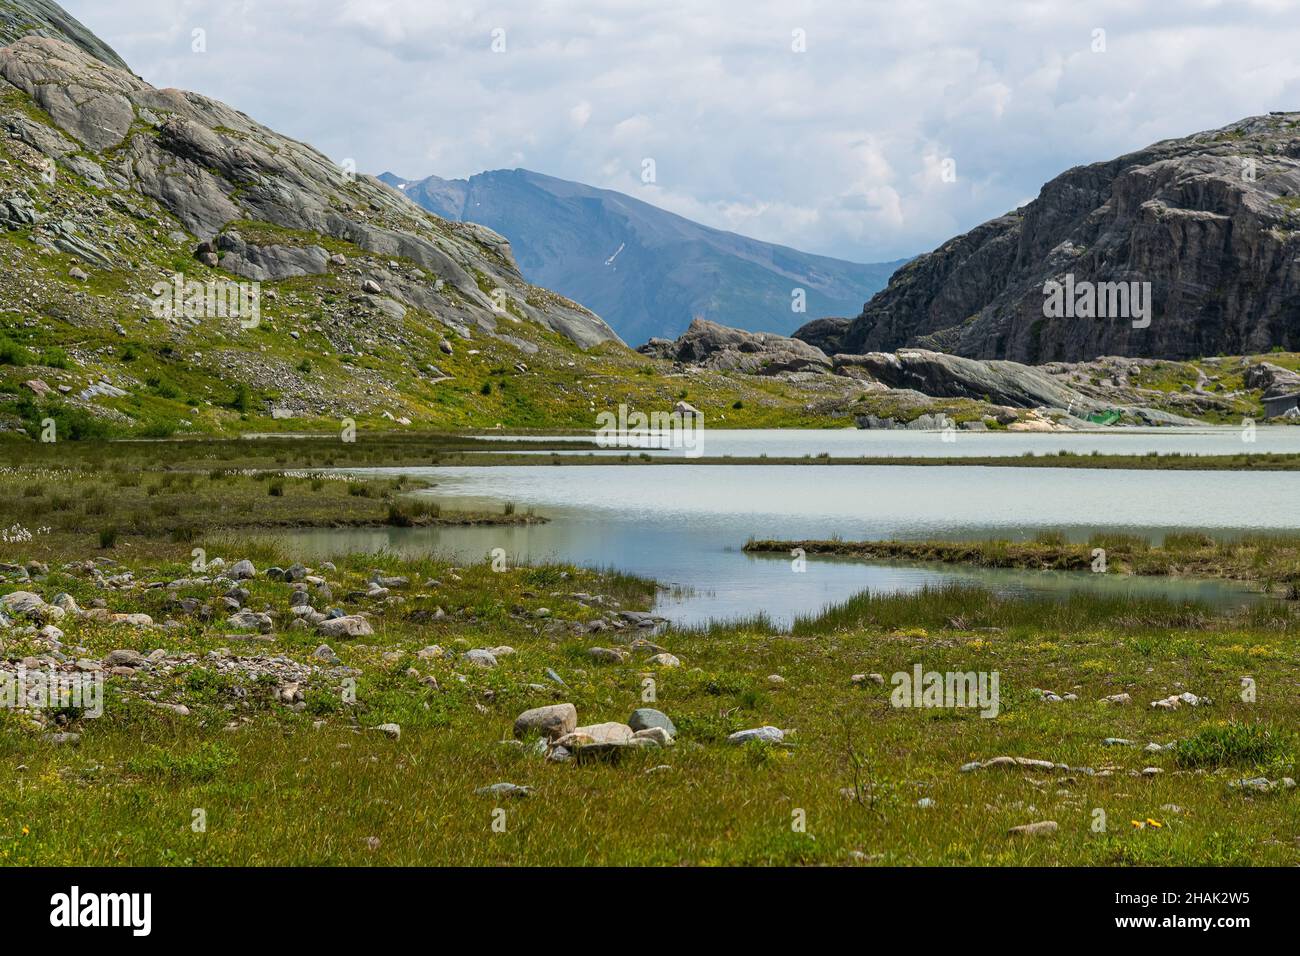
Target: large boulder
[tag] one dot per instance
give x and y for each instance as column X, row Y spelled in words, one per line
column 551, row 722
column 949, row 376
column 715, row 346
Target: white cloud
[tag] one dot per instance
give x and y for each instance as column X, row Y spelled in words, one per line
column 833, row 150
column 580, row 114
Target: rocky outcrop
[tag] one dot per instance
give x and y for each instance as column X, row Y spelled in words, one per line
column 20, row 18
column 949, row 376
column 1272, row 379
column 719, row 347
column 265, row 261
column 1211, row 222
column 209, row 165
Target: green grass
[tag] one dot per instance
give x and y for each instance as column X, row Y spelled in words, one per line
column 1271, row 561
column 277, row 786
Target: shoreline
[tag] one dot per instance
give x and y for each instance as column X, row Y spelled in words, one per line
column 1269, row 561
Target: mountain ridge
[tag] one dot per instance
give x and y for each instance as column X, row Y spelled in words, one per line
column 20, row 18
column 1211, row 221
column 648, row 271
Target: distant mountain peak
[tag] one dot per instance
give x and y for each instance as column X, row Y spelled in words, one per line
column 646, row 271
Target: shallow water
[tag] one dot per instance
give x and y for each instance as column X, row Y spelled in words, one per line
column 856, row 443
column 685, row 526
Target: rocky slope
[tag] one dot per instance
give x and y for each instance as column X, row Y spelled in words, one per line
column 912, row 383
column 371, row 308
column 209, row 166
column 1211, row 221
column 648, row 271
column 20, row 18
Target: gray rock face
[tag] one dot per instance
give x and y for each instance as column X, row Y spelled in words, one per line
column 20, row 18
column 210, row 165
column 1210, row 221
column 720, row 347
column 950, row 376
column 269, row 262
column 1273, row 379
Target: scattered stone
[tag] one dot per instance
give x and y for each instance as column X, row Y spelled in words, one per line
column 610, row 732
column 644, row 718
column 346, row 626
column 479, row 657
column 1177, row 700
column 767, row 734
column 1026, row 762
column 552, row 722
column 504, row 790
column 242, row 570
column 125, row 658
column 1262, row 784
column 654, row 735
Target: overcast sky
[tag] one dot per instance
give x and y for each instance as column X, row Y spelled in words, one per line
column 839, row 148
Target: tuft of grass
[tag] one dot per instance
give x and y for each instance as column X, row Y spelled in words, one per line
column 1235, row 744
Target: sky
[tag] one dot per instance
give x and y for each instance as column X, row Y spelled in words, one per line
column 863, row 130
